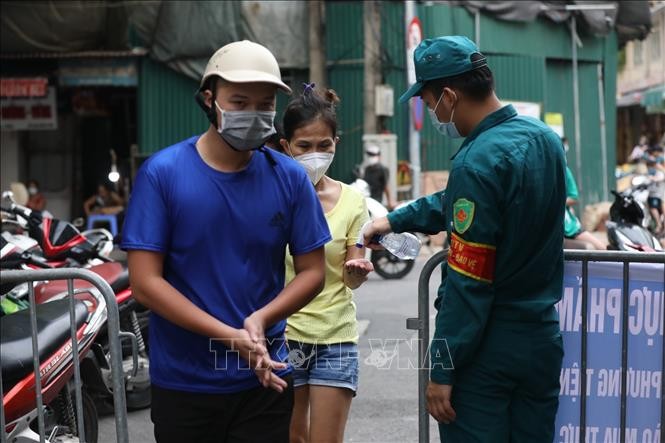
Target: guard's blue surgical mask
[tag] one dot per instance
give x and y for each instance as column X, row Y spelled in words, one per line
column 448, row 128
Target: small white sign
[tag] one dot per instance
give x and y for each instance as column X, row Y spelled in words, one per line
column 384, row 100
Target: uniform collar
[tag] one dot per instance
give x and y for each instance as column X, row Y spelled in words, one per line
column 497, row 117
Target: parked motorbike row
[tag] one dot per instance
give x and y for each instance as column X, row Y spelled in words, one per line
column 631, row 226
column 31, row 240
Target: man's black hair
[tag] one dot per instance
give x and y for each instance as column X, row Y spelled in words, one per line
column 477, row 84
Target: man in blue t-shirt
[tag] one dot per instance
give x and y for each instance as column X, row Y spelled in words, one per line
column 206, row 230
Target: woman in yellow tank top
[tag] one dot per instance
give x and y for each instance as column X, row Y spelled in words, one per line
column 323, row 336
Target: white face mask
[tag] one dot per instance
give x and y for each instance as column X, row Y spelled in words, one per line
column 32, row 190
column 372, row 159
column 246, row 130
column 316, row 164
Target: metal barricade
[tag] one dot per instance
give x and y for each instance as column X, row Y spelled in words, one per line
column 421, row 324
column 114, row 334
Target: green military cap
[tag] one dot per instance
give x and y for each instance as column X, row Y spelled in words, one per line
column 443, row 57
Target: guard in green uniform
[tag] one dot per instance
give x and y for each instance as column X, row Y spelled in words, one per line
column 497, row 349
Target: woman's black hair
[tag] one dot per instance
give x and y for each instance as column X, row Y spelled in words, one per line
column 309, row 106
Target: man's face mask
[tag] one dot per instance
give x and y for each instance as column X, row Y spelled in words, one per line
column 448, row 128
column 246, row 130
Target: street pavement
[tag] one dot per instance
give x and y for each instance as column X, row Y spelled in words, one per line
column 386, row 407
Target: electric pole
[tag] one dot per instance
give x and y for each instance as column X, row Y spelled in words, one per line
column 372, row 59
column 317, row 54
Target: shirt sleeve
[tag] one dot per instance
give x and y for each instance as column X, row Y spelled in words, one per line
column 571, row 185
column 468, row 292
column 359, row 216
column 146, row 221
column 424, row 215
column 309, row 228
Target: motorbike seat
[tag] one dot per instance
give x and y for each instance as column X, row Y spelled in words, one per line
column 111, row 272
column 52, row 333
column 121, row 282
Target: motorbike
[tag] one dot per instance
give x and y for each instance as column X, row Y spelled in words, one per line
column 640, row 191
column 56, row 369
column 625, row 229
column 385, row 264
column 59, row 243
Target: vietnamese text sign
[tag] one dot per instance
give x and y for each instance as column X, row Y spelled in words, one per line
column 29, row 113
column 646, row 311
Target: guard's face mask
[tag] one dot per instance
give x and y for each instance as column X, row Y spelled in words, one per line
column 445, row 128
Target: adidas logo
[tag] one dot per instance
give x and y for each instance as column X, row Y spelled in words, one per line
column 277, row 220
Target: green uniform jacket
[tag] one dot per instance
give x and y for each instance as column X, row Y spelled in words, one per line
column 503, row 210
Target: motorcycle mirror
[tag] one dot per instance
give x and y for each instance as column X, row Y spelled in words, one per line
column 8, row 195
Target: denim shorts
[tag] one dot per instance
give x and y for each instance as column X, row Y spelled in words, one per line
column 655, row 203
column 334, row 365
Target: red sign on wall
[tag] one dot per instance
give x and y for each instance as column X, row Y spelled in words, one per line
column 29, row 113
column 24, row 87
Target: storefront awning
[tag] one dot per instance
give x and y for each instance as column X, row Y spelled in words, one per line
column 630, row 99
column 654, row 100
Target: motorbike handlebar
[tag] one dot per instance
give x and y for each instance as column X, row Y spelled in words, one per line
column 36, row 261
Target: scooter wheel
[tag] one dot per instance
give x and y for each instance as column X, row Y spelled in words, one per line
column 390, row 267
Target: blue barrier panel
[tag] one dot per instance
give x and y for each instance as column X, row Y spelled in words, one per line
column 623, row 346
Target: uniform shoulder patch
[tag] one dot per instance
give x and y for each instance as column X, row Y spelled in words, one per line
column 463, row 212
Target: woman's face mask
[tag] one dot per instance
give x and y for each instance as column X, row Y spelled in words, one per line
column 246, row 130
column 316, row 164
column 445, row 128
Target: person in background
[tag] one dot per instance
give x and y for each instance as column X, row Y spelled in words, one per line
column 105, row 201
column 323, row 336
column 639, row 150
column 572, row 227
column 377, row 175
column 656, row 172
column 36, row 201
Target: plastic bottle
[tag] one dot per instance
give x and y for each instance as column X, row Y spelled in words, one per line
column 404, row 246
